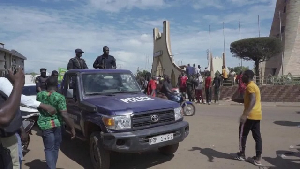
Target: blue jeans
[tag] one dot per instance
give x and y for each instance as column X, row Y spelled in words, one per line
column 20, row 149
column 52, row 139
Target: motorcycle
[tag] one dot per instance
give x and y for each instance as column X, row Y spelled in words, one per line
column 27, row 125
column 187, row 106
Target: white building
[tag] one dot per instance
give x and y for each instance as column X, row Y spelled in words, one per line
column 10, row 59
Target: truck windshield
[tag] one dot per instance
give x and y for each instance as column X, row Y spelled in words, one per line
column 107, row 83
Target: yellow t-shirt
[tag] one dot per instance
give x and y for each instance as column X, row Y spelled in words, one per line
column 224, row 72
column 256, row 112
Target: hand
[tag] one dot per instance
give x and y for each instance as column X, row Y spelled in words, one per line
column 18, row 78
column 73, row 133
column 243, row 118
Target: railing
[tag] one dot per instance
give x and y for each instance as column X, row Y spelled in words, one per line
column 273, row 80
column 278, row 80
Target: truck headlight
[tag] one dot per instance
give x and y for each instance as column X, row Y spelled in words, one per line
column 178, row 113
column 117, row 122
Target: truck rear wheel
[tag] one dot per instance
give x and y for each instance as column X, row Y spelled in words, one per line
column 169, row 150
column 99, row 156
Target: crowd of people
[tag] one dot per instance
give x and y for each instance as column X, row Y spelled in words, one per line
column 53, row 109
column 192, row 83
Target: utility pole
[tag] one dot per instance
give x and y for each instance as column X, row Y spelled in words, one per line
column 240, row 38
column 258, row 26
column 209, row 51
column 224, row 35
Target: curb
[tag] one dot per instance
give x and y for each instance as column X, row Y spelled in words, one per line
column 279, row 105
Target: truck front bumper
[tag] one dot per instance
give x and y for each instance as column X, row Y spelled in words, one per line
column 138, row 141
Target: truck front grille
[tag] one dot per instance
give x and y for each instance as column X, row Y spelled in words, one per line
column 146, row 119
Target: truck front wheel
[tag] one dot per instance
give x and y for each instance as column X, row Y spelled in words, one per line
column 169, row 150
column 99, row 156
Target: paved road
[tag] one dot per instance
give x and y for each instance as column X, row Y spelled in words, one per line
column 212, row 140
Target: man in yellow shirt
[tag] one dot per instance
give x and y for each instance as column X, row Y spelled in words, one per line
column 250, row 119
column 224, row 74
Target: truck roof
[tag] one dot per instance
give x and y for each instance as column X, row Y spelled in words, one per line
column 98, row 70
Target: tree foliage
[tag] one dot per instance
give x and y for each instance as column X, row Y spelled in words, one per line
column 142, row 73
column 256, row 49
column 238, row 69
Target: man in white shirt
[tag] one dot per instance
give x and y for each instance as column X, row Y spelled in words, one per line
column 198, row 70
column 11, row 142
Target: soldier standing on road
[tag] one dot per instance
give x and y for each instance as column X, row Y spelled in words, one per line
column 77, row 62
column 40, row 81
column 105, row 61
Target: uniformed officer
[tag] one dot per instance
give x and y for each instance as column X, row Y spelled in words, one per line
column 54, row 73
column 77, row 62
column 41, row 81
column 105, row 61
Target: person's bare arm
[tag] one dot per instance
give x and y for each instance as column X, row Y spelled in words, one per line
column 65, row 117
column 251, row 106
column 11, row 105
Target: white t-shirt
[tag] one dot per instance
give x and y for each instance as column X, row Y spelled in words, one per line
column 200, row 82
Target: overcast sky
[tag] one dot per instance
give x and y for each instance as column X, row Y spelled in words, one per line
column 48, row 31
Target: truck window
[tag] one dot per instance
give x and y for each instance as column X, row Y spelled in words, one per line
column 72, row 84
column 104, row 83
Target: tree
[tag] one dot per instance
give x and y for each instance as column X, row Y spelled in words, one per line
column 142, row 73
column 256, row 49
column 238, row 69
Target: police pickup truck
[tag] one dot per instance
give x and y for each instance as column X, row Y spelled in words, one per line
column 109, row 111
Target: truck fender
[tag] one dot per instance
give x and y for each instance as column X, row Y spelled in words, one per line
column 92, row 125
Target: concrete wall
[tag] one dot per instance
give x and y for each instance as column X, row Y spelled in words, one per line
column 217, row 65
column 292, row 39
column 163, row 62
column 290, row 18
column 29, row 79
column 269, row 93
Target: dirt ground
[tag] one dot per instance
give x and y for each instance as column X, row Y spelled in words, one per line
column 212, row 141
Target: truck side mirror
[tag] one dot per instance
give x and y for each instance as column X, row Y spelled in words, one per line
column 69, row 93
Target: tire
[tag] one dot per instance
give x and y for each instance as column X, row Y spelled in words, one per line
column 188, row 109
column 169, row 150
column 99, row 156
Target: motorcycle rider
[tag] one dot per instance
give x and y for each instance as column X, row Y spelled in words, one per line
column 190, row 85
column 105, row 61
column 167, row 88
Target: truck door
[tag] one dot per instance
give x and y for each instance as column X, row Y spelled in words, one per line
column 74, row 111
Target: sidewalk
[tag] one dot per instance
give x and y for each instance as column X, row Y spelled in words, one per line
column 269, row 104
